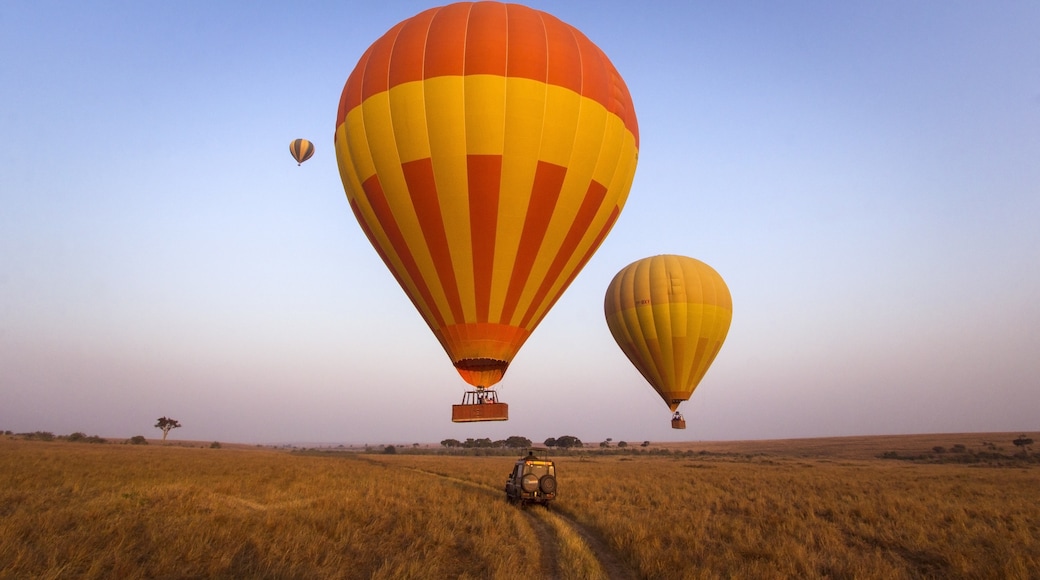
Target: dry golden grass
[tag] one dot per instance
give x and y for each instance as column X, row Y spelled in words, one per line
column 861, row 447
column 576, row 558
column 774, row 518
column 106, row 511
column 114, row 511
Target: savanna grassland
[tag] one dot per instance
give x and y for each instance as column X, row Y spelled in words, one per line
column 810, row 509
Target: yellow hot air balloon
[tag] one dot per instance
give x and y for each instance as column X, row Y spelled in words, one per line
column 301, row 150
column 486, row 149
column 670, row 315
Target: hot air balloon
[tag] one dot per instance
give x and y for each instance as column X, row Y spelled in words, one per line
column 301, row 150
column 670, row 315
column 486, row 150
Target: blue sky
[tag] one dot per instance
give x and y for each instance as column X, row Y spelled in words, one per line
column 865, row 176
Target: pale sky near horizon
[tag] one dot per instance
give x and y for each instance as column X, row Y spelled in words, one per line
column 864, row 175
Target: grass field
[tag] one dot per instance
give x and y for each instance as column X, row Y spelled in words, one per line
column 797, row 509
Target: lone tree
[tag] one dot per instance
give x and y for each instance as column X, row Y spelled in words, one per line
column 1023, row 442
column 166, row 424
column 568, row 442
column 518, row 442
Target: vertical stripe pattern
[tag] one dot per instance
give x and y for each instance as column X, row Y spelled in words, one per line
column 670, row 316
column 486, row 150
column 301, row 150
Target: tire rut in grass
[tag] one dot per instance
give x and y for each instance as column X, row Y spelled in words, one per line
column 549, row 547
column 543, row 531
column 612, row 567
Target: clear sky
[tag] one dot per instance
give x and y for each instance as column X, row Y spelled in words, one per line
column 864, row 175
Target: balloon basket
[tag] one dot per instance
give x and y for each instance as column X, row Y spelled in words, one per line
column 479, row 405
column 678, row 423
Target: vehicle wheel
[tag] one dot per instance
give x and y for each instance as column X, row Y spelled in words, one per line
column 529, row 483
column 547, row 484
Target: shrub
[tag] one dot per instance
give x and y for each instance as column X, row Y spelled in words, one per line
column 138, row 440
column 214, row 445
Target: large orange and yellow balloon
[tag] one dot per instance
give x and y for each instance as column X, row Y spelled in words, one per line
column 670, row 315
column 486, row 149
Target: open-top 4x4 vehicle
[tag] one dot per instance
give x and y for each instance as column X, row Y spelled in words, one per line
column 533, row 480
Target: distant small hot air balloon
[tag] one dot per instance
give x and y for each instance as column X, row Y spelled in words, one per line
column 301, row 150
column 486, row 150
column 670, row 315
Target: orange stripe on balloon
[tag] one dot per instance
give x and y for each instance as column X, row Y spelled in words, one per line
column 528, row 54
column 564, row 56
column 474, row 38
column 590, row 206
column 484, row 173
column 485, row 52
column 545, row 192
column 375, row 78
column 596, row 68
column 483, row 340
column 445, row 53
column 385, row 218
column 596, row 243
column 423, row 191
column 409, row 48
column 351, row 96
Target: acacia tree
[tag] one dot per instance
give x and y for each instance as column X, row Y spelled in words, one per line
column 568, row 441
column 166, row 424
column 518, row 442
column 1023, row 442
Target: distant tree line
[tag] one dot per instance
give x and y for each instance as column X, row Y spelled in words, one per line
column 564, row 442
column 513, row 442
column 989, row 453
column 76, row 437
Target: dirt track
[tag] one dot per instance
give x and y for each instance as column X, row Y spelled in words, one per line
column 539, row 519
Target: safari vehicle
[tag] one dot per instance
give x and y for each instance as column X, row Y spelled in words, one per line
column 533, row 480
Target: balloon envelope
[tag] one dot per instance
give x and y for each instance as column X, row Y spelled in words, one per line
column 670, row 315
column 301, row 150
column 486, row 149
